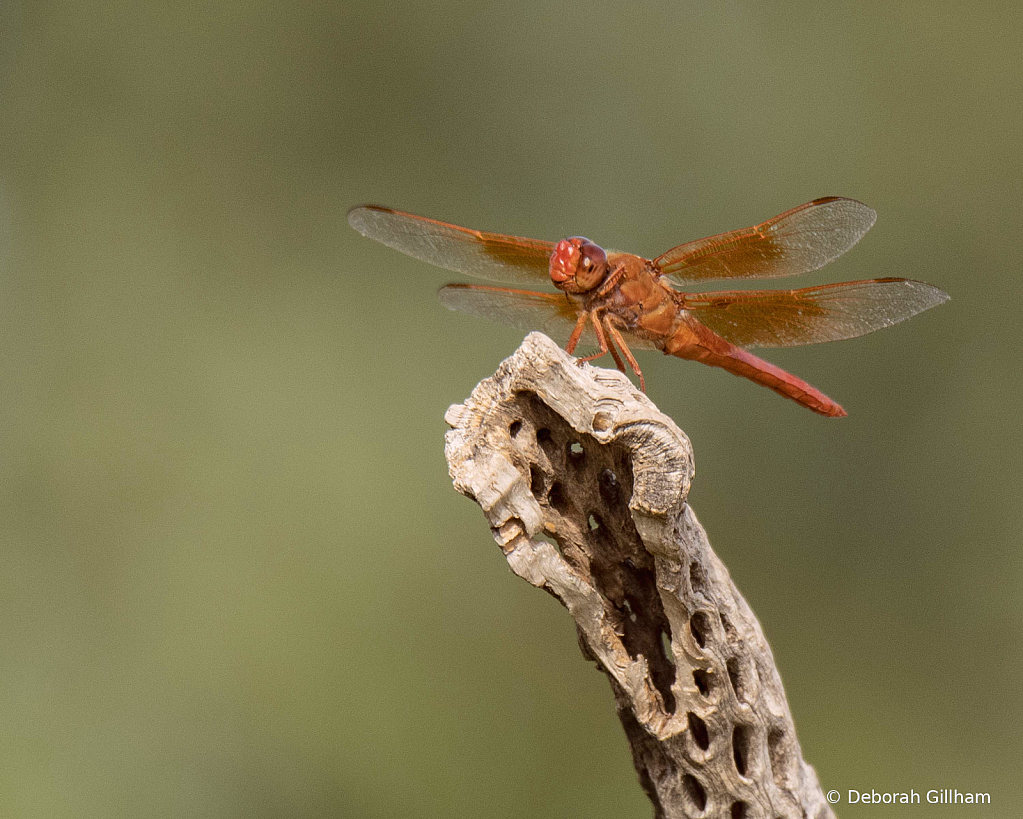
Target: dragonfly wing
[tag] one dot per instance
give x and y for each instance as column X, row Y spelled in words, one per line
column 490, row 256
column 800, row 240
column 553, row 314
column 830, row 312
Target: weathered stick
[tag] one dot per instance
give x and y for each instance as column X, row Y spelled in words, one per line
column 576, row 454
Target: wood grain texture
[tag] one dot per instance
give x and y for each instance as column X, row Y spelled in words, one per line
column 584, row 483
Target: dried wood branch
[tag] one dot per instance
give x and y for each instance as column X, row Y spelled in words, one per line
column 577, row 455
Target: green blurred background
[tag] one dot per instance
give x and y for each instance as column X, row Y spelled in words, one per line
column 236, row 581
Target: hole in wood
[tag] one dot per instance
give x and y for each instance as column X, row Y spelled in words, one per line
column 737, row 677
column 698, row 729
column 726, row 624
column 702, row 680
column 601, row 421
column 666, row 649
column 545, row 440
column 699, row 626
column 556, row 498
column 697, row 579
column 515, row 428
column 607, row 483
column 694, row 794
column 575, row 451
column 547, row 537
column 742, row 736
column 535, row 481
column 740, row 810
column 594, row 523
column 776, row 754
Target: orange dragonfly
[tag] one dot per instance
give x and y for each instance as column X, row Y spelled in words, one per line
column 619, row 302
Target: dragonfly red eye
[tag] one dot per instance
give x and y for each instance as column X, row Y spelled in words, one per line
column 564, row 260
column 593, row 264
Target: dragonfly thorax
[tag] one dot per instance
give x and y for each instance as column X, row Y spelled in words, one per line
column 577, row 265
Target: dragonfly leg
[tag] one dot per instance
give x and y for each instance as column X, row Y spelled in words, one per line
column 605, row 345
column 577, row 332
column 616, row 337
column 611, row 282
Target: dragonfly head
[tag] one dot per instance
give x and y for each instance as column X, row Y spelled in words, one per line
column 577, row 265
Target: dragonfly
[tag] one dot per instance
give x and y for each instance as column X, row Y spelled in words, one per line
column 619, row 302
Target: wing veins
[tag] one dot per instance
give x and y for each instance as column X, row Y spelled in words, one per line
column 491, row 256
column 810, row 315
